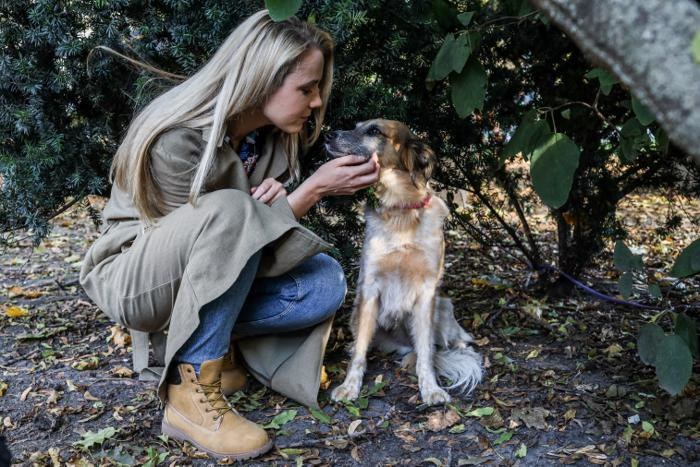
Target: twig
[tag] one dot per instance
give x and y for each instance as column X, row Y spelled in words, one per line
column 21, row 357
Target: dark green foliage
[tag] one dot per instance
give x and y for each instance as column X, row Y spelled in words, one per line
column 64, row 106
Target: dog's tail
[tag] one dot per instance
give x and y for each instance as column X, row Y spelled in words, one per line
column 461, row 366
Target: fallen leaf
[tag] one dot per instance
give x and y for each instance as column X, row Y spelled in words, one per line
column 533, row 417
column 613, row 350
column 3, row 388
column 25, row 393
column 481, row 412
column 88, row 363
column 90, row 397
column 353, row 427
column 17, row 291
column 533, row 354
column 16, row 311
column 122, row 372
column 569, row 415
column 119, row 336
column 522, row 451
column 441, row 419
column 325, row 381
column 90, row 439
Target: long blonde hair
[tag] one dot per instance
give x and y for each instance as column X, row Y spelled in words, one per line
column 247, row 68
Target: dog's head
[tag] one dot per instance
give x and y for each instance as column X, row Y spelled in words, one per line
column 397, row 147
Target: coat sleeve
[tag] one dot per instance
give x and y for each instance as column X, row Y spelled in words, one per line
column 174, row 159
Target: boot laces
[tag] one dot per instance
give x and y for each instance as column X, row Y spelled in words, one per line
column 218, row 404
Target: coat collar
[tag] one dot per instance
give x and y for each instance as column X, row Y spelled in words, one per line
column 206, row 135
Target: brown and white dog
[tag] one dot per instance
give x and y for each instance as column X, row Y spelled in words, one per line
column 397, row 307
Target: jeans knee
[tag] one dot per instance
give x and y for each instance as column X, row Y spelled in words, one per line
column 330, row 283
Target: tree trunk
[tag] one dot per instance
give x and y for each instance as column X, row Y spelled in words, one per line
column 647, row 45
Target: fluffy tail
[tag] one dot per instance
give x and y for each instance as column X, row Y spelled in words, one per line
column 461, row 366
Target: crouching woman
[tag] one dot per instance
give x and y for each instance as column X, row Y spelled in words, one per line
column 200, row 243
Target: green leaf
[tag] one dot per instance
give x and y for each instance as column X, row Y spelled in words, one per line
column 688, row 262
column 320, row 415
column 442, row 65
column 522, row 451
column 445, row 15
column 469, row 89
column 354, row 411
column 650, row 336
column 688, row 331
column 529, row 134
column 655, row 291
column 674, row 364
column 505, row 436
column 625, row 284
column 695, row 47
column 481, row 412
column 648, row 427
column 90, row 439
column 453, row 55
column 282, row 9
column 281, row 419
column 643, row 114
column 605, row 79
column 566, row 114
column 457, row 429
column 661, row 139
column 465, row 18
column 624, row 259
column 632, row 137
column 552, row 168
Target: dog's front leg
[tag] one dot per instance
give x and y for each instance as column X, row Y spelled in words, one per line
column 430, row 391
column 366, row 326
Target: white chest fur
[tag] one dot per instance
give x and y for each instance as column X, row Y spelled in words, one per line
column 402, row 257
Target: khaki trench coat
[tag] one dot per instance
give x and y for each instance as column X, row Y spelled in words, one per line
column 155, row 279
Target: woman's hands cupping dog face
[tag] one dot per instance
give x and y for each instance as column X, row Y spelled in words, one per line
column 346, row 175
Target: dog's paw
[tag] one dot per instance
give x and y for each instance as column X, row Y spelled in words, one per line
column 346, row 391
column 434, row 396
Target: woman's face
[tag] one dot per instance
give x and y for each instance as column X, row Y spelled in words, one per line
column 290, row 106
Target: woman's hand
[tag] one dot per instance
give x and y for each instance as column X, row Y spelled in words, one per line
column 269, row 191
column 342, row 176
column 345, row 175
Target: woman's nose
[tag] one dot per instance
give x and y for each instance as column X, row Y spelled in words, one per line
column 316, row 101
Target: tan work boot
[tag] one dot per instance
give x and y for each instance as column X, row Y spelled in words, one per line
column 197, row 412
column 233, row 376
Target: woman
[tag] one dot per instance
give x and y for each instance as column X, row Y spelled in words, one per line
column 201, row 239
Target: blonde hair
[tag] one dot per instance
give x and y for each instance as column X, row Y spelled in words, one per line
column 247, row 68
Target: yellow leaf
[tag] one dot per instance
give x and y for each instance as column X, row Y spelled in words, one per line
column 3, row 388
column 534, row 354
column 119, row 336
column 325, row 381
column 570, row 414
column 16, row 311
column 122, row 372
column 17, row 291
column 613, row 350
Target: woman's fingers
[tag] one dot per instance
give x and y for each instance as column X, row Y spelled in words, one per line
column 268, row 191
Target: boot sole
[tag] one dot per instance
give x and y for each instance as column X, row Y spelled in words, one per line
column 174, row 433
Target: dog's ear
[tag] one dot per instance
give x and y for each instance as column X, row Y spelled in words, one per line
column 424, row 160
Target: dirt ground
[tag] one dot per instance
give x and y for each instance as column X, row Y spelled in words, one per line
column 563, row 380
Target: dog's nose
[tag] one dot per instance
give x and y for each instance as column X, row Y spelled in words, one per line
column 330, row 136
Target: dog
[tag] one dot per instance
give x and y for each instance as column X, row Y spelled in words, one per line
column 397, row 306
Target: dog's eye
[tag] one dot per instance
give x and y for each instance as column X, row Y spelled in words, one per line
column 374, row 131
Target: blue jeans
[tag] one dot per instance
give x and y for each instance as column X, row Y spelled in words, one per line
column 303, row 297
